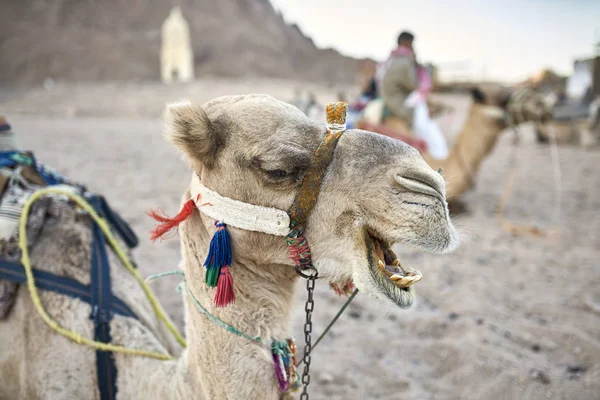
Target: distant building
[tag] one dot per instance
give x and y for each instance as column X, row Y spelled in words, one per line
column 176, row 55
column 580, row 82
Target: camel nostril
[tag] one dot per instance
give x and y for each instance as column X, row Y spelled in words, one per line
column 425, row 181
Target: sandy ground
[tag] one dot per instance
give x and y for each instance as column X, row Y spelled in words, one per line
column 146, row 99
column 503, row 317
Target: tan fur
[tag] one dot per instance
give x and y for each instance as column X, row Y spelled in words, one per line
column 373, row 182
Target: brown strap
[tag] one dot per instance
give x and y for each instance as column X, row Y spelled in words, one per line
column 311, row 183
column 3, row 184
column 31, row 175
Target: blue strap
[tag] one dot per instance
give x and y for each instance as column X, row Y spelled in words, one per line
column 117, row 222
column 7, row 158
column 50, row 176
column 102, row 314
column 14, row 272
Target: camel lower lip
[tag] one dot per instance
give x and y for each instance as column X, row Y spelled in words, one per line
column 376, row 251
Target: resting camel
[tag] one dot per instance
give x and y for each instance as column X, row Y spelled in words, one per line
column 253, row 148
column 487, row 119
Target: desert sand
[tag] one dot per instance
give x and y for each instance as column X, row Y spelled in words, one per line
column 503, row 317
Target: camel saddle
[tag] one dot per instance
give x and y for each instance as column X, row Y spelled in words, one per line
column 20, row 176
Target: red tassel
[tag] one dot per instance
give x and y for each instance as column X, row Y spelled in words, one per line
column 166, row 223
column 225, row 294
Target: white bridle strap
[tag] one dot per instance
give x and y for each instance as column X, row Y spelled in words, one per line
column 239, row 214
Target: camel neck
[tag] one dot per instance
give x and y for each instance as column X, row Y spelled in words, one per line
column 477, row 138
column 480, row 132
column 224, row 364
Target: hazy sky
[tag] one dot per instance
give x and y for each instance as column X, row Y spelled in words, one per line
column 507, row 40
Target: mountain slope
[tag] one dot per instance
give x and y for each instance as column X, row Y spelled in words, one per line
column 90, row 40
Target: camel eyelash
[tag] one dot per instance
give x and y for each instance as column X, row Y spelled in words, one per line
column 278, row 173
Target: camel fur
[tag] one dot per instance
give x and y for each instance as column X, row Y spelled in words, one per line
column 234, row 144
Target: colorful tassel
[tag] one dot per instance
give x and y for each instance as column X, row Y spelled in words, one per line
column 280, row 372
column 284, row 359
column 218, row 266
column 225, row 294
column 299, row 248
column 167, row 223
column 212, row 276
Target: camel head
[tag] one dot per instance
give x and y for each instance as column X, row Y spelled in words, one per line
column 517, row 106
column 376, row 191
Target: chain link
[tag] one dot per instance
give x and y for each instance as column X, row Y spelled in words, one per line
column 308, row 307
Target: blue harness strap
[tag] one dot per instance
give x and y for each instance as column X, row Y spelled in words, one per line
column 117, row 222
column 14, row 272
column 98, row 294
column 102, row 313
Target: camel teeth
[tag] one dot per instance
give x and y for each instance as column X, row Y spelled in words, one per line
column 381, row 264
column 406, row 281
column 396, row 262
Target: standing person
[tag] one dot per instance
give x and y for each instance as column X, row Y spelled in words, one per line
column 404, row 87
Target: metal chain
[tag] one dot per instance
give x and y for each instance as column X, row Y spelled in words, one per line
column 308, row 307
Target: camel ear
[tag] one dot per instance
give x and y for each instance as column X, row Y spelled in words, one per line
column 192, row 132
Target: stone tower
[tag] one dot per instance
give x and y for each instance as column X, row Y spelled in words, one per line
column 176, row 55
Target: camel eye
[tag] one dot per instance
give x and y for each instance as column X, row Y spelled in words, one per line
column 278, row 173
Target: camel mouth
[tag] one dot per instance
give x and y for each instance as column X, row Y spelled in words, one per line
column 388, row 274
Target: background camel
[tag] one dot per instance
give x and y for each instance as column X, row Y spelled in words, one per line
column 253, row 149
column 487, row 118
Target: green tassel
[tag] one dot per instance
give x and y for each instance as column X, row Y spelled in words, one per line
column 212, row 276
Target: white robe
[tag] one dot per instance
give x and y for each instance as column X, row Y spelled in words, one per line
column 425, row 128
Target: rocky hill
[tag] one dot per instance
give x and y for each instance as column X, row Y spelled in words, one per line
column 91, row 40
